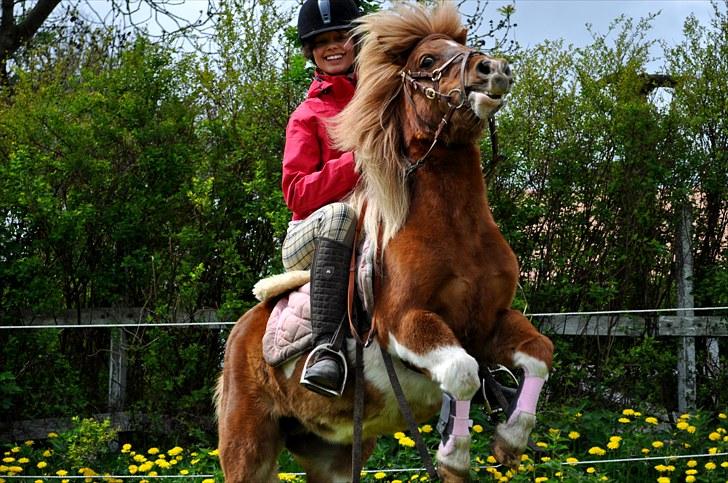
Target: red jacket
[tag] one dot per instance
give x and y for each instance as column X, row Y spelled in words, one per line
column 314, row 173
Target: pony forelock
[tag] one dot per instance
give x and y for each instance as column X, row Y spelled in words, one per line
column 370, row 125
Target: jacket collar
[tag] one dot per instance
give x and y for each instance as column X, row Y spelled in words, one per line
column 339, row 86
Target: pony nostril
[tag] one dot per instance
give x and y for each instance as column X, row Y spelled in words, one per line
column 483, row 67
column 507, row 70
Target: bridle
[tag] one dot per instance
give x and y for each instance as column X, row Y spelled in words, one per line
column 412, row 82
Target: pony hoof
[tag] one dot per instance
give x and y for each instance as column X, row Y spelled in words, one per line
column 451, row 475
column 505, row 454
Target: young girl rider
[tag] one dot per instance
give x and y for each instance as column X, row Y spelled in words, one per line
column 316, row 177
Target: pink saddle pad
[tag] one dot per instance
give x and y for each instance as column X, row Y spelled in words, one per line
column 288, row 332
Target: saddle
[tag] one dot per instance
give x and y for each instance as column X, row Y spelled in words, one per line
column 288, row 332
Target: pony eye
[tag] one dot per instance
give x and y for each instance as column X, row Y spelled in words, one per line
column 427, row 61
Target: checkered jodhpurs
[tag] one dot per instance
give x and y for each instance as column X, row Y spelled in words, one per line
column 336, row 221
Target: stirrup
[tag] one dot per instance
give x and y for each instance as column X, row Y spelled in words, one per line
column 315, row 387
column 508, row 392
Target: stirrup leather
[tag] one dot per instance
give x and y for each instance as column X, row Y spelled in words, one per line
column 328, row 348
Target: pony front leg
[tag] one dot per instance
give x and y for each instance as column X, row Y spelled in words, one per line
column 517, row 343
column 424, row 340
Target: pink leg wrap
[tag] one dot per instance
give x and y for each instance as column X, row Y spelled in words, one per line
column 460, row 427
column 528, row 398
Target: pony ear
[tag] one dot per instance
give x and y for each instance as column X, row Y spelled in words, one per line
column 462, row 36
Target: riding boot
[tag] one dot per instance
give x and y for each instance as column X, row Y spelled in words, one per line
column 329, row 288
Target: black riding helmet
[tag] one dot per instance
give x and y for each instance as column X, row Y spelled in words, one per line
column 319, row 16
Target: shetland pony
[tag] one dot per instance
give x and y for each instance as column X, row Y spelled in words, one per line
column 446, row 276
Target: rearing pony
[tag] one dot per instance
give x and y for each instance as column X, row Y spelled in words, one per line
column 447, row 277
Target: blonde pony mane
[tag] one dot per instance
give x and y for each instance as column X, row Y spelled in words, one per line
column 370, row 125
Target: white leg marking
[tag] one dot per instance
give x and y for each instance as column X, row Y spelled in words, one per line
column 516, row 430
column 451, row 367
column 531, row 365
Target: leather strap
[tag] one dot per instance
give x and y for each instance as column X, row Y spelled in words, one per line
column 352, row 287
column 356, row 448
column 408, row 416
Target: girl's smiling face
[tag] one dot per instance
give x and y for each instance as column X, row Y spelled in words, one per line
column 333, row 52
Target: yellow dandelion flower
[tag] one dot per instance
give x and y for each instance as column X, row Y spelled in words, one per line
column 571, row 460
column 692, row 463
column 126, row 448
column 714, row 436
column 712, row 450
column 524, row 457
column 554, row 431
column 684, row 416
column 663, row 479
column 628, row 412
column 407, row 442
column 574, row 435
column 52, row 435
column 690, row 479
column 15, row 449
column 61, row 473
column 133, row 469
column 613, row 445
column 724, row 464
column 8, row 459
column 710, row 466
column 491, row 459
column 624, row 420
column 596, row 450
column 691, row 429
column 651, row 420
column 478, row 428
column 545, row 459
column 41, row 465
column 426, row 429
column 184, row 472
column 616, row 439
column 591, row 470
column 29, row 442
column 153, row 451
column 208, row 480
column 379, row 475
column 47, row 453
column 723, row 416
column 691, row 472
column 541, row 444
column 214, row 452
column 541, row 479
column 682, row 425
column 645, row 451
column 399, row 435
column 657, row 444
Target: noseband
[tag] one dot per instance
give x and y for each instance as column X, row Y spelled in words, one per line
column 413, row 81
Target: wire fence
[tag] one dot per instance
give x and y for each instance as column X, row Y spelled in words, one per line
column 192, row 323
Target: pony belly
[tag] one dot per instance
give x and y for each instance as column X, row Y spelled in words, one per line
column 388, row 419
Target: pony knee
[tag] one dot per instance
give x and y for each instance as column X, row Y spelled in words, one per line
column 535, row 356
